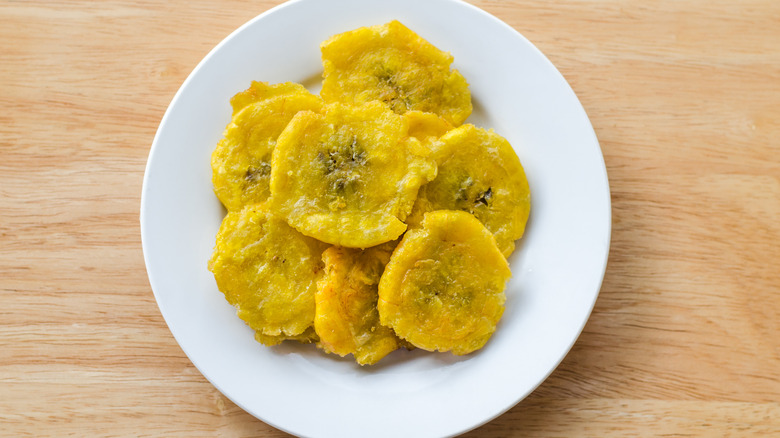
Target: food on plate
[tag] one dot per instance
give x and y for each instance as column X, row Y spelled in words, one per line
column 443, row 288
column 349, row 175
column 392, row 64
column 268, row 271
column 346, row 318
column 319, row 192
column 241, row 162
column 478, row 172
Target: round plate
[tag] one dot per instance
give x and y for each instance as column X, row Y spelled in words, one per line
column 557, row 268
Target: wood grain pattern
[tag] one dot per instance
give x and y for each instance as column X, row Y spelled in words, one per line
column 685, row 337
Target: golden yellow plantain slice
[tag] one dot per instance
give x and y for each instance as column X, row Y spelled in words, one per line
column 443, row 288
column 307, row 337
column 392, row 64
column 478, row 172
column 348, row 176
column 241, row 162
column 268, row 271
column 346, row 318
column 426, row 127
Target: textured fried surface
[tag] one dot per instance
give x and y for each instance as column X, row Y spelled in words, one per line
column 346, row 318
column 392, row 64
column 241, row 162
column 307, row 337
column 443, row 288
column 268, row 271
column 478, row 172
column 348, row 176
column 426, row 127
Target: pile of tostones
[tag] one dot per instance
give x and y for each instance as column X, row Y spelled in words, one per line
column 370, row 217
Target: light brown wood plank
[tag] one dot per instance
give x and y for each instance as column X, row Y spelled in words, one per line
column 684, row 339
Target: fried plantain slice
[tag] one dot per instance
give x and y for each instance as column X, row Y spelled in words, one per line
column 478, row 172
column 443, row 288
column 268, row 271
column 346, row 318
column 307, row 337
column 392, row 64
column 426, row 127
column 241, row 162
column 348, row 176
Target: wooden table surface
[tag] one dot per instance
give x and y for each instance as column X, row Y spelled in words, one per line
column 684, row 339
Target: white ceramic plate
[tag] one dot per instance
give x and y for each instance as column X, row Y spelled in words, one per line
column 557, row 268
